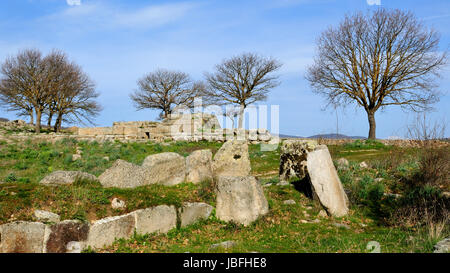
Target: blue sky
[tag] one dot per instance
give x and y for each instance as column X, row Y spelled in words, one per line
column 118, row 41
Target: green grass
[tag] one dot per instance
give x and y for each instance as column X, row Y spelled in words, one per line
column 23, row 165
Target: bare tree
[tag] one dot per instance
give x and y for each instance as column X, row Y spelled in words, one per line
column 383, row 58
column 242, row 80
column 72, row 92
column 164, row 90
column 424, row 130
column 24, row 85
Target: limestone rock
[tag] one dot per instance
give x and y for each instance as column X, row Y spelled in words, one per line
column 223, row 245
column 363, row 165
column 293, row 158
column 116, row 203
column 165, row 168
column 192, row 212
column 198, row 166
column 76, row 157
column 342, row 163
column 65, row 232
column 325, row 181
column 22, row 237
column 289, row 202
column 159, row 219
column 46, row 216
column 442, row 246
column 66, row 177
column 74, row 247
column 232, row 159
column 105, row 231
column 240, row 199
column 123, row 174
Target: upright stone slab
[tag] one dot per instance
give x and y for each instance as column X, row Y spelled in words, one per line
column 22, row 237
column 232, row 159
column 159, row 219
column 123, row 174
column 165, row 168
column 326, row 182
column 240, row 199
column 293, row 158
column 192, row 212
column 105, row 231
column 198, row 166
column 65, row 232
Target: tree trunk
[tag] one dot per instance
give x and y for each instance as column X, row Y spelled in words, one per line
column 49, row 121
column 58, row 122
column 241, row 116
column 31, row 117
column 38, row 121
column 372, row 125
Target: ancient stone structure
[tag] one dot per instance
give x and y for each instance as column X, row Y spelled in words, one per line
column 232, row 159
column 309, row 161
column 240, row 199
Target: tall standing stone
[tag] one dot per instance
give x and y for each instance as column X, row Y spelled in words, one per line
column 326, row 182
column 232, row 159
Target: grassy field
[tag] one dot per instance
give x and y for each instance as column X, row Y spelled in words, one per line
column 287, row 228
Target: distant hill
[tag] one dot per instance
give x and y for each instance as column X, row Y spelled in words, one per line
column 327, row 136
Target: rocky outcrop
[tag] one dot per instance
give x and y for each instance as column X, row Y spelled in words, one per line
column 232, row 159
column 123, row 174
column 165, row 168
column 198, row 166
column 240, row 199
column 66, row 178
column 192, row 212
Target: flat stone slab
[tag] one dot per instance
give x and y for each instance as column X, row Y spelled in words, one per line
column 123, row 174
column 325, row 181
column 158, row 219
column 192, row 212
column 22, row 237
column 165, row 168
column 105, row 231
column 66, row 178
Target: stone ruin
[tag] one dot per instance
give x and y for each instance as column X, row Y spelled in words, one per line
column 312, row 164
column 187, row 127
column 240, row 198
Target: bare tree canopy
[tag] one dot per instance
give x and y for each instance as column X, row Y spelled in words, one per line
column 383, row 58
column 164, row 90
column 49, row 84
column 72, row 91
column 242, row 80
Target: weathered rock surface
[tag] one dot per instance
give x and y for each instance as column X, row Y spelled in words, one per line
column 116, row 203
column 159, row 219
column 192, row 212
column 46, row 216
column 66, row 177
column 325, row 181
column 293, row 158
column 442, row 246
column 165, row 168
column 240, row 199
column 289, row 202
column 342, row 163
column 123, row 174
column 22, row 237
column 198, row 166
column 232, row 159
column 105, row 231
column 63, row 233
column 223, row 245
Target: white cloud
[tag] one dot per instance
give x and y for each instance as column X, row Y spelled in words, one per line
column 73, row 2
